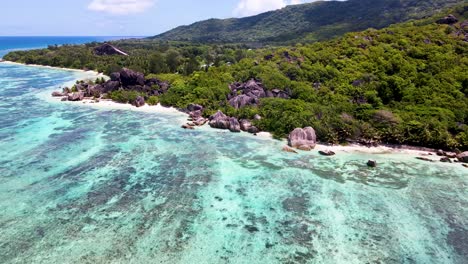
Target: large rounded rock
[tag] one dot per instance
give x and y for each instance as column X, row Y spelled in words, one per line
column 463, row 157
column 139, row 102
column 111, row 86
column 78, row 96
column 303, row 138
column 219, row 120
column 115, row 76
column 241, row 101
column 130, row 78
column 94, row 91
column 234, row 125
column 245, row 124
column 253, row 130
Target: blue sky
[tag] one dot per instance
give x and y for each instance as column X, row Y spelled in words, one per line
column 119, row 17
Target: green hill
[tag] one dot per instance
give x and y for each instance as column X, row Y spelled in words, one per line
column 404, row 84
column 307, row 22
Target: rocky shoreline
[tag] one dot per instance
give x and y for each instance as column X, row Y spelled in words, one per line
column 242, row 94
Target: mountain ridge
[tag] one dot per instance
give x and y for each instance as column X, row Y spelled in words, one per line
column 307, row 22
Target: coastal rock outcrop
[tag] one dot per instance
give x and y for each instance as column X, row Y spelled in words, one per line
column 108, row 49
column 250, row 93
column 219, row 120
column 246, row 125
column 110, row 86
column 222, row 121
column 76, row 96
column 463, row 157
column 139, row 101
column 115, row 76
column 302, row 138
column 234, row 125
column 195, row 112
column 131, row 78
column 449, row 20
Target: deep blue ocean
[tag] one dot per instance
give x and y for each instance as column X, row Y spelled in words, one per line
column 8, row 44
column 86, row 183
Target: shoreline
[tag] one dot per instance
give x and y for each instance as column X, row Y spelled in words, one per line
column 108, row 104
column 98, row 74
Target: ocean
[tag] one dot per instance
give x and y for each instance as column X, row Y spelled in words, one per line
column 8, row 44
column 86, row 184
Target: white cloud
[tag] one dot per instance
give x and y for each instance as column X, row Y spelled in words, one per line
column 120, row 7
column 254, row 7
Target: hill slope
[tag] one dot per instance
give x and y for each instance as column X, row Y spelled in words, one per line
column 307, row 22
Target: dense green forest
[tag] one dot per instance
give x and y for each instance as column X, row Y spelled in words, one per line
column 307, row 22
column 405, row 84
column 145, row 56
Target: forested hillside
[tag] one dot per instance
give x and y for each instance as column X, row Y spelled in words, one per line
column 307, row 22
column 405, row 84
column 145, row 56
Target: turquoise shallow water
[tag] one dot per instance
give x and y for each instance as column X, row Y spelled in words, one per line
column 85, row 185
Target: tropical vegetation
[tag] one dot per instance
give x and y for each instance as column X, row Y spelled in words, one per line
column 404, row 84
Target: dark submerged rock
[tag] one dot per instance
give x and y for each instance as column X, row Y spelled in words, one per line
column 446, row 159
column 424, row 159
column 57, row 94
column 326, row 153
column 372, row 163
column 251, row 228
